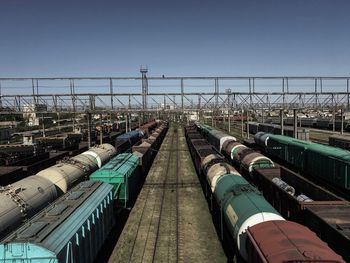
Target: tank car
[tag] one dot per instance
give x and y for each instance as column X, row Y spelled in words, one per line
column 72, row 229
column 243, row 207
column 24, row 198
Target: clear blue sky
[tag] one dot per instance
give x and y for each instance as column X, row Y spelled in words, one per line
column 174, row 38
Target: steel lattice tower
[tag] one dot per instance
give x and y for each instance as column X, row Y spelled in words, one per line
column 143, row 71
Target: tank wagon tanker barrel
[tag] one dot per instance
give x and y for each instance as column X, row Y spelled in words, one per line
column 71, row 229
column 247, row 159
column 244, row 210
column 24, row 198
column 241, row 204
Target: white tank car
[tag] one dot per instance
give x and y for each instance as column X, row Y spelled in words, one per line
column 224, row 139
column 101, row 153
column 210, row 158
column 23, row 199
column 68, row 171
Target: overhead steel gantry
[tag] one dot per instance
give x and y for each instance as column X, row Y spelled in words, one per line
column 186, row 94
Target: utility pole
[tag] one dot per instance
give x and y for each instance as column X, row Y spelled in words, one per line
column 101, row 130
column 295, row 123
column 43, row 123
column 242, row 124
column 281, row 118
column 89, row 128
column 247, row 123
column 144, row 71
column 342, row 121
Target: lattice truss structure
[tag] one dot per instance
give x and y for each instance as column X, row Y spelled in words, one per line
column 178, row 94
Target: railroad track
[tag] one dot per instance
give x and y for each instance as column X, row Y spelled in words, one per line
column 170, row 221
column 157, row 229
column 319, row 140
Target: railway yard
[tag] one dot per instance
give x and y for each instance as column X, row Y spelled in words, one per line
column 170, row 221
column 230, row 143
column 178, row 192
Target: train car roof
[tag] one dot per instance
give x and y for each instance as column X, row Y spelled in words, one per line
column 286, row 241
column 50, row 230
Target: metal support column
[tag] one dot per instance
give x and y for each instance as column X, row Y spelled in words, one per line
column 333, row 118
column 89, row 128
column 111, row 92
column 182, row 96
column 33, row 90
column 126, row 122
column 333, row 112
column 348, row 94
column 144, row 71
column 229, row 120
column 295, row 126
column 242, row 124
column 342, row 121
column 58, row 121
column 0, row 97
column 228, row 92
column 281, row 120
column 262, row 115
column 224, row 118
column 247, row 123
column 101, row 130
column 43, row 124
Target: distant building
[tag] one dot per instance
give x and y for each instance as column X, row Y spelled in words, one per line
column 31, row 113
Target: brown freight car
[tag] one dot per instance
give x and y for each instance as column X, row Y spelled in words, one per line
column 290, row 206
column 331, row 223
column 285, row 241
column 324, row 212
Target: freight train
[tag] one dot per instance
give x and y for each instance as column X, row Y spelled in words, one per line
column 24, row 160
column 255, row 127
column 75, row 226
column 311, row 205
column 232, row 118
column 305, row 202
column 319, row 123
column 72, row 229
column 125, row 141
column 126, row 171
column 21, row 200
column 339, row 141
column 330, row 164
column 249, row 218
column 11, row 154
column 65, row 141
